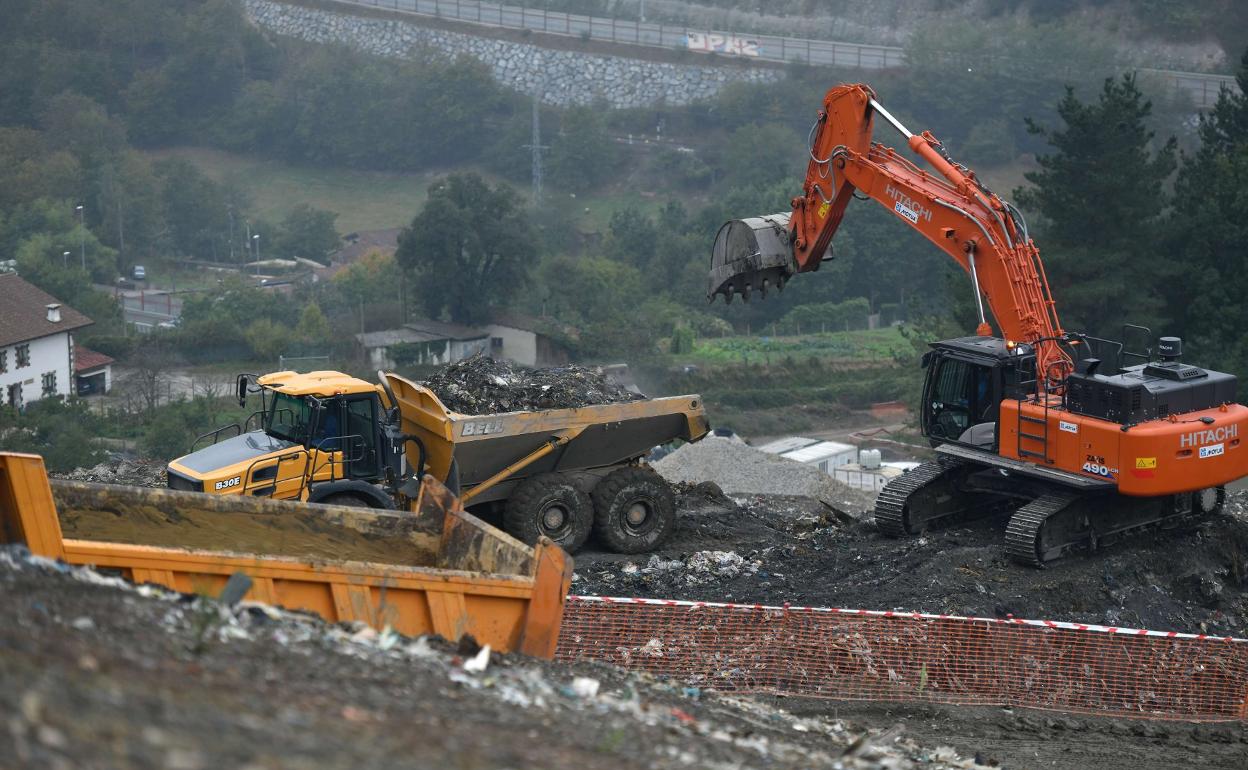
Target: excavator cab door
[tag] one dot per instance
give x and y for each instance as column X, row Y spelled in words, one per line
column 961, row 398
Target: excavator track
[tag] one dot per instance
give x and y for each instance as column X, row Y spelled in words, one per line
column 1059, row 522
column 1024, row 535
column 930, row 496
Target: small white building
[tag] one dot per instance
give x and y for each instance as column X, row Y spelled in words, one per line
column 782, row 445
column 36, row 343
column 512, row 337
column 93, row 372
column 826, row 455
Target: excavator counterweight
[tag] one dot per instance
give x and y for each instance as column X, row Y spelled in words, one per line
column 1082, row 450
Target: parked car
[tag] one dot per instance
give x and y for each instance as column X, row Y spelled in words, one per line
column 140, row 273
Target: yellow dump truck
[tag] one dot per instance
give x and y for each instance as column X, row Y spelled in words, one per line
column 326, row 437
column 434, row 569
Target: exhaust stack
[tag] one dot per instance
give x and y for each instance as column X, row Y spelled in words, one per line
column 751, row 254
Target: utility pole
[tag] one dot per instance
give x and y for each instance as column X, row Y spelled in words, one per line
column 535, row 145
column 82, row 233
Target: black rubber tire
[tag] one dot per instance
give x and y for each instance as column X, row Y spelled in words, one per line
column 617, row 494
column 349, row 500
column 526, row 509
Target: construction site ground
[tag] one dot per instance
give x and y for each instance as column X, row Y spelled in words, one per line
column 740, row 547
column 99, row 674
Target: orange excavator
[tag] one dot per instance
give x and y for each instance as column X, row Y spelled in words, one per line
column 1081, row 439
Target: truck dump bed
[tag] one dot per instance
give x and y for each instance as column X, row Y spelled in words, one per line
column 586, row 438
column 437, row 570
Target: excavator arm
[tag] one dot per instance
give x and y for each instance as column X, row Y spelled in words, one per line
column 951, row 208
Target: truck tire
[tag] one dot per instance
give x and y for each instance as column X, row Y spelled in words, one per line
column 347, row 499
column 550, row 505
column 634, row 510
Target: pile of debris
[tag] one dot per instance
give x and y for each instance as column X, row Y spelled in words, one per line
column 78, row 643
column 134, row 473
column 483, row 385
column 739, row 469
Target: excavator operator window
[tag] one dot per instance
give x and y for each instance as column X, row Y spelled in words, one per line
column 961, row 395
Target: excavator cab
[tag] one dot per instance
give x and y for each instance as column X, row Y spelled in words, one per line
column 966, row 380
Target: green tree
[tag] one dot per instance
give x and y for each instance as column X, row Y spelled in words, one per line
column 1101, row 196
column 761, row 155
column 470, row 248
column 64, row 432
column 632, row 237
column 582, row 155
column 313, row 327
column 1208, row 230
column 309, row 233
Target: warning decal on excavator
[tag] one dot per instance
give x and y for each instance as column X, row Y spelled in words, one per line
column 1143, row 463
column 824, row 208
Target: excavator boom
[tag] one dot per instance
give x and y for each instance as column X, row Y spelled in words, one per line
column 951, row 208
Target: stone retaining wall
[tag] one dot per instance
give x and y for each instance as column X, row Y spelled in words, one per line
column 563, row 77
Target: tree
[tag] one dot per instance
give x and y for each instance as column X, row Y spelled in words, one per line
column 470, row 248
column 633, row 237
column 582, row 155
column 1101, row 196
column 313, row 328
column 309, row 233
column 762, row 155
column 1208, row 230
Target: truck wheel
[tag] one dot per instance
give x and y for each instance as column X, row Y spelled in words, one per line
column 634, row 510
column 550, row 505
column 350, row 501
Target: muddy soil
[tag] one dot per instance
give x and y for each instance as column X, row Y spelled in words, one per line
column 800, row 551
column 99, row 674
column 1025, row 738
column 247, row 526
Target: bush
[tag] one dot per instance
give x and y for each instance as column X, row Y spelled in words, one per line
column 62, row 431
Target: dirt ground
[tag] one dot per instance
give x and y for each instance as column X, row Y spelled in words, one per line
column 99, row 674
column 774, row 550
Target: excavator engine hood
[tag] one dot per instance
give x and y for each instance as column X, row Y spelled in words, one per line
column 751, row 254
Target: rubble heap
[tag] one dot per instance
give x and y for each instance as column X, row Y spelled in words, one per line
column 134, row 473
column 483, row 385
column 739, row 469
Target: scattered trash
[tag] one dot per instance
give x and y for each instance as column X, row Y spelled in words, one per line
column 483, row 385
column 585, row 687
column 480, row 662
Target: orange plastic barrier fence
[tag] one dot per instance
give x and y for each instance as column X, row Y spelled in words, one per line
column 893, row 656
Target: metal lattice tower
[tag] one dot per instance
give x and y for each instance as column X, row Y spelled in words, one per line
column 535, row 145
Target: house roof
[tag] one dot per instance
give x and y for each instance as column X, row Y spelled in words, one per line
column 24, row 315
column 86, row 359
column 514, row 320
column 437, row 330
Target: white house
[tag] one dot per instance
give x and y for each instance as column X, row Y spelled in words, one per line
column 824, row 454
column 510, row 336
column 36, row 343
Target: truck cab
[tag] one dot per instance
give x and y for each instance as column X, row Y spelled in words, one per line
column 317, row 435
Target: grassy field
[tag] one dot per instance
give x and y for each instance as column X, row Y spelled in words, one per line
column 374, row 200
column 364, row 200
column 876, row 345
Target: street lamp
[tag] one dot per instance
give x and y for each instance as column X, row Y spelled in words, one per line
column 65, row 259
column 82, row 232
column 255, row 238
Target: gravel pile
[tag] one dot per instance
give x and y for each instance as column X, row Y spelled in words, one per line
column 739, row 469
column 134, row 473
column 483, row 385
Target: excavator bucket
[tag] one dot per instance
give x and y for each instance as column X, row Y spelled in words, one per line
column 751, row 254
